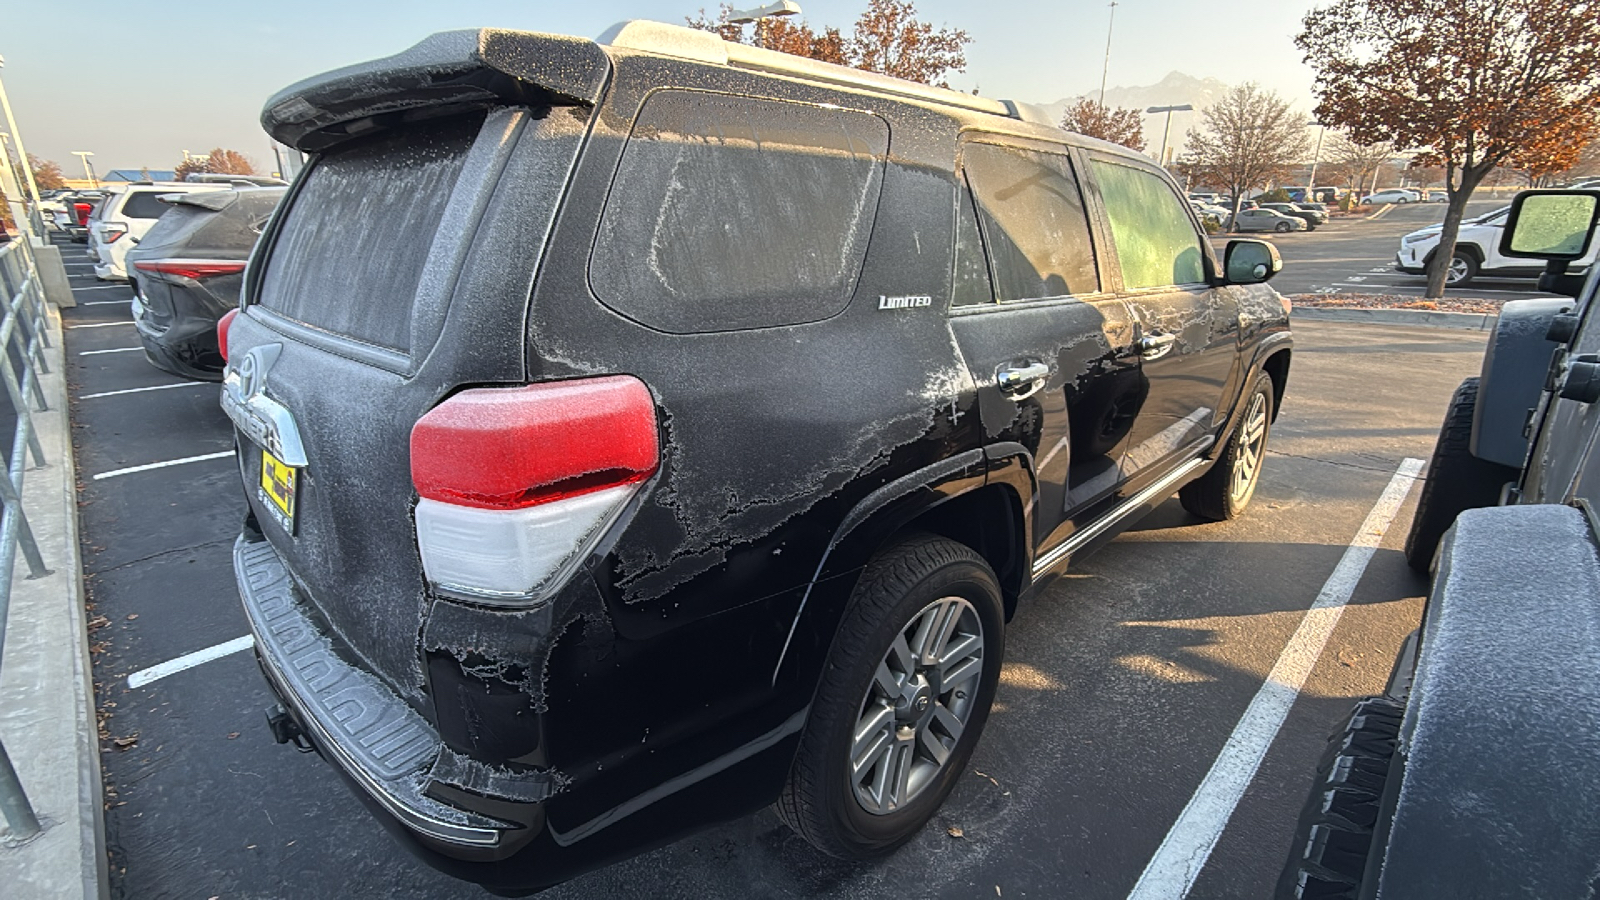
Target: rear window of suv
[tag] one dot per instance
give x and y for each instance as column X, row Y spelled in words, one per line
column 730, row 212
column 143, row 205
column 352, row 247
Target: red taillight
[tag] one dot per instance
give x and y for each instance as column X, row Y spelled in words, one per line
column 223, row 324
column 190, row 268
column 512, row 448
column 110, row 233
column 83, row 210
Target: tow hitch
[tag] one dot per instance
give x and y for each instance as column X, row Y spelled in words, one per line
column 285, row 730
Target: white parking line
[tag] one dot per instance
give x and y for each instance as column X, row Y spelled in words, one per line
column 1466, row 290
column 1183, row 853
column 162, row 465
column 117, row 350
column 101, row 324
column 105, row 302
column 158, row 387
column 103, row 287
column 189, row 661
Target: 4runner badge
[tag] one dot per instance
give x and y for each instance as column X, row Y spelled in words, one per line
column 910, row 302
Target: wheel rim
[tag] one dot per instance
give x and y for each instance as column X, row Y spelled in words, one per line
column 1252, row 445
column 920, row 700
column 1458, row 270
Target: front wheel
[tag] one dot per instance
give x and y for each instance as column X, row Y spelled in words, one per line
column 1463, row 268
column 903, row 700
column 1457, row 480
column 1225, row 491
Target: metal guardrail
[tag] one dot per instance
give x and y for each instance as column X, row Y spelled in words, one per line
column 23, row 337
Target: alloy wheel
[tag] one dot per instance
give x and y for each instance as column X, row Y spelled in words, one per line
column 1252, row 445
column 1457, row 271
column 920, row 700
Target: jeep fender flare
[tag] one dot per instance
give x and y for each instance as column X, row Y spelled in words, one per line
column 1515, row 366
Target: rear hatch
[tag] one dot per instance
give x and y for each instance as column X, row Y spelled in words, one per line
column 397, row 271
column 200, row 246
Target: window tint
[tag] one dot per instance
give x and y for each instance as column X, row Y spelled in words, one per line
column 970, row 286
column 143, row 205
column 731, row 213
column 1156, row 241
column 352, row 247
column 1033, row 221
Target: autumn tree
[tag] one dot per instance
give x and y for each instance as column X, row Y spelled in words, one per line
column 888, row 38
column 47, row 173
column 1108, row 123
column 1246, row 140
column 1357, row 164
column 218, row 162
column 1474, row 84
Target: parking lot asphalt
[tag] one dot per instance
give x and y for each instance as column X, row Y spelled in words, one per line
column 1355, row 255
column 1123, row 683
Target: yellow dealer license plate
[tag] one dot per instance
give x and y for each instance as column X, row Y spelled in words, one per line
column 278, row 485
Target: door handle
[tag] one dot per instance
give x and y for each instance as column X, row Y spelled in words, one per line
column 1021, row 382
column 1155, row 346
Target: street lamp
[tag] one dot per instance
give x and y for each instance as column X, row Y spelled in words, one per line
column 1106, row 66
column 1311, row 189
column 16, row 136
column 1167, row 129
column 770, row 11
column 87, row 169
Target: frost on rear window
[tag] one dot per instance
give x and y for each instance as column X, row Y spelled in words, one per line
column 730, row 213
column 352, row 247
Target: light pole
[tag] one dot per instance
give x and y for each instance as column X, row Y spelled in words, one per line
column 761, row 13
column 1167, row 129
column 87, row 169
column 1107, row 65
column 1316, row 157
column 11, row 125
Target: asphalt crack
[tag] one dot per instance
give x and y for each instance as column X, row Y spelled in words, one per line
column 200, row 546
column 1386, row 470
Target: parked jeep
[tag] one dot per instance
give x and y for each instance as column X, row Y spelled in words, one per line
column 639, row 432
column 1477, row 772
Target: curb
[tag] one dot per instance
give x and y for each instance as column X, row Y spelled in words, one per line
column 1420, row 317
column 47, row 702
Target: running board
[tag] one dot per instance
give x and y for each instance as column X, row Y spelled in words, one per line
column 1160, row 488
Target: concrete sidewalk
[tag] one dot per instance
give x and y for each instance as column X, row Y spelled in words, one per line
column 47, row 716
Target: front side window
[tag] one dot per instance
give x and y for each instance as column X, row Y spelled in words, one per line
column 1033, row 220
column 732, row 212
column 1157, row 244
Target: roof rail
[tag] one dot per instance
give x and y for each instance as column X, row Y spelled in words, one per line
column 703, row 46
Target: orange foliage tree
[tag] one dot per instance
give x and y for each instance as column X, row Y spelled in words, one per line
column 47, row 173
column 1474, row 84
column 888, row 38
column 1108, row 123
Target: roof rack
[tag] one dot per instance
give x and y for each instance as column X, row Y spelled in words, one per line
column 703, row 46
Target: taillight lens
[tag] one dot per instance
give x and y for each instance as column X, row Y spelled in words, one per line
column 223, row 324
column 516, row 485
column 190, row 268
column 110, row 233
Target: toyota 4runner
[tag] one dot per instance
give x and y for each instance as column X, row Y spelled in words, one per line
column 639, row 432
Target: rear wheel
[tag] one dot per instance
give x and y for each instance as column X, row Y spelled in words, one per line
column 1225, row 491
column 903, row 701
column 1457, row 480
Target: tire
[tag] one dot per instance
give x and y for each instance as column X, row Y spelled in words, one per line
column 855, row 812
column 1334, row 835
column 1457, row 480
column 1283, row 228
column 1463, row 268
column 1224, row 492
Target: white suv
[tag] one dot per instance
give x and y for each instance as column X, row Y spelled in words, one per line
column 124, row 218
column 1477, row 252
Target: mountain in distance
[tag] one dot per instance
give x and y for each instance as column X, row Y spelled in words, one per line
column 1175, row 89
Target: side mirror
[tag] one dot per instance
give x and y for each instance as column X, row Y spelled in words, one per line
column 1555, row 226
column 1250, row 262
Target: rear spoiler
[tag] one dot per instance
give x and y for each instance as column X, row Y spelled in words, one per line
column 449, row 71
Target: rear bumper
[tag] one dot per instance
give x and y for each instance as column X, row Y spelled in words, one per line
column 355, row 721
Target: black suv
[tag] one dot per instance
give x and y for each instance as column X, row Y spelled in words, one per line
column 641, row 432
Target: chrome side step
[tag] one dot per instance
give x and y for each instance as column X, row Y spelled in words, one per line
column 1159, row 488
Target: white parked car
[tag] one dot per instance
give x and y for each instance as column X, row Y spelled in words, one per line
column 1477, row 252
column 1394, row 195
column 123, row 218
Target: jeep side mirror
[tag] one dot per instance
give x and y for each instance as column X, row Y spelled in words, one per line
column 1555, row 226
column 1250, row 262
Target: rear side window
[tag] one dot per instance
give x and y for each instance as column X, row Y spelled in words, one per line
column 1157, row 244
column 1033, row 222
column 352, row 247
column 730, row 212
column 143, row 205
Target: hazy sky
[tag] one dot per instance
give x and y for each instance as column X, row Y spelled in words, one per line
column 138, row 83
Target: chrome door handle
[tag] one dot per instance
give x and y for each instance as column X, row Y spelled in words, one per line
column 1021, row 382
column 1155, row 346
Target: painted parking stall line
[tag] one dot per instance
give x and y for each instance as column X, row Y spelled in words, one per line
column 100, row 325
column 189, row 661
column 112, row 350
column 104, row 287
column 162, row 465
column 156, row 387
column 1183, row 853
